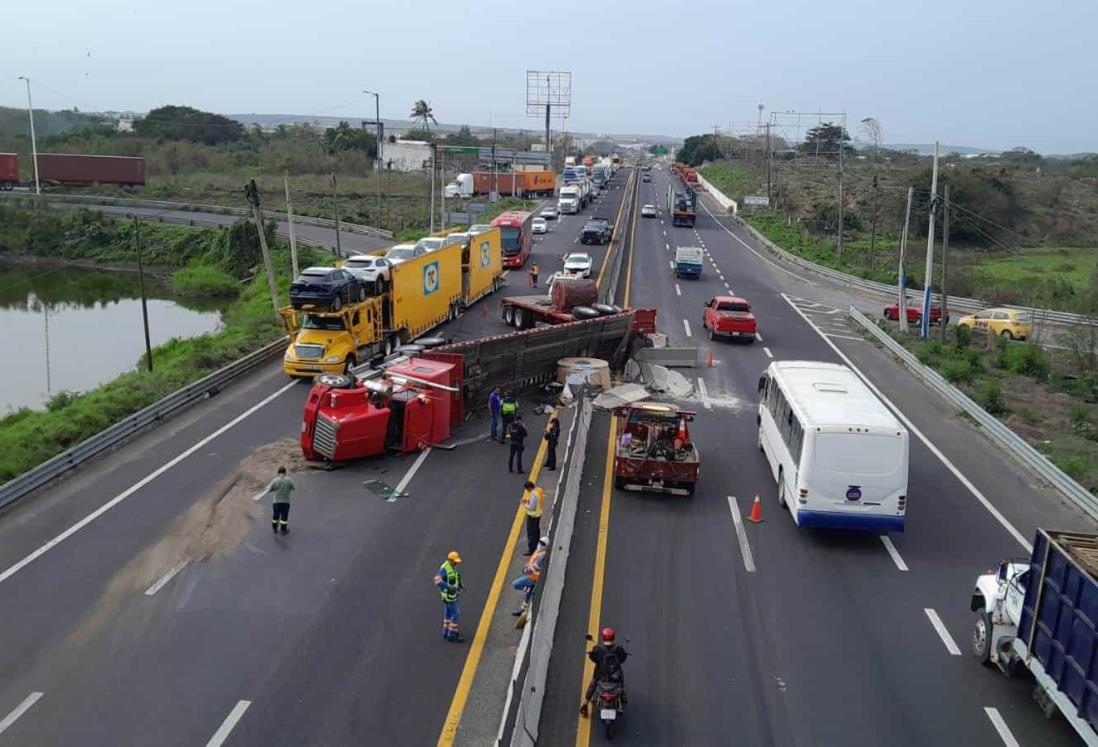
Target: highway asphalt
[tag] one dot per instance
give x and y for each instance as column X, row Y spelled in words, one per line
column 820, row 638
column 146, row 602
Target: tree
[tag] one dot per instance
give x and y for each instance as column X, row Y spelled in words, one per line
column 824, row 140
column 698, row 149
column 422, row 111
column 186, row 123
column 464, row 136
column 343, row 137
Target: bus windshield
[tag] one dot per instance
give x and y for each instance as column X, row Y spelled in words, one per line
column 509, row 238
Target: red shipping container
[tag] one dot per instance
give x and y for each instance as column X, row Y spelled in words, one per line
column 81, row 169
column 9, row 170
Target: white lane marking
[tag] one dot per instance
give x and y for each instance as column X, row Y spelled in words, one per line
column 1010, row 528
column 20, row 709
column 1001, row 727
column 666, row 246
column 893, row 552
column 409, row 474
column 671, row 263
column 748, row 559
column 719, row 274
column 768, row 353
column 703, row 393
column 664, row 232
column 678, row 290
column 228, row 724
column 11, row 571
column 841, row 337
column 758, row 337
column 686, row 325
column 504, row 274
column 163, row 580
column 947, row 639
column 749, row 248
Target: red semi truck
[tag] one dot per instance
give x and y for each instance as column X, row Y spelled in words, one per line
column 71, row 168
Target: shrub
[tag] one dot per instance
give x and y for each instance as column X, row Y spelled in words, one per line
column 1075, row 466
column 1028, row 360
column 956, row 371
column 204, row 281
column 962, row 337
column 990, row 397
column 61, row 400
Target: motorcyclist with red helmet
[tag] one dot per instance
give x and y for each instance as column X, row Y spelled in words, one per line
column 608, row 658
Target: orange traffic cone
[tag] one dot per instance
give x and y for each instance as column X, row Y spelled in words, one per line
column 709, row 359
column 756, row 511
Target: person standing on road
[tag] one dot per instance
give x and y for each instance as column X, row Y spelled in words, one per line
column 552, row 436
column 448, row 581
column 281, row 488
column 533, row 503
column 534, row 275
column 508, row 409
column 517, row 433
column 495, row 409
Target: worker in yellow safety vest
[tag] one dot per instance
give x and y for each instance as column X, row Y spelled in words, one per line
column 448, row 581
column 533, row 503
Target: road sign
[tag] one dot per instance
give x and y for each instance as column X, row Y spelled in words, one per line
column 458, row 218
column 476, row 207
column 762, row 200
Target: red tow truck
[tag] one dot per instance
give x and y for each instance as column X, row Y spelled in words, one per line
column 654, row 451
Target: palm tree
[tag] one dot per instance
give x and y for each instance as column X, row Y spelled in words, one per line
column 421, row 110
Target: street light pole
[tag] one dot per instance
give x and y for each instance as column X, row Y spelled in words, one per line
column 34, row 140
column 377, row 135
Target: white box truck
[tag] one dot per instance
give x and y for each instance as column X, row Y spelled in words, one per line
column 568, row 202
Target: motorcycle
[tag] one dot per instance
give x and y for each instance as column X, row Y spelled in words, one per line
column 609, row 700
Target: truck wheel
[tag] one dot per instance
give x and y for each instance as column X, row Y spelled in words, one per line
column 337, row 302
column 981, row 637
column 619, row 483
column 689, row 487
column 349, row 364
column 336, row 381
column 390, row 345
column 509, row 315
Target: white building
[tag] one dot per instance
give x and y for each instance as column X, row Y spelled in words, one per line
column 406, row 155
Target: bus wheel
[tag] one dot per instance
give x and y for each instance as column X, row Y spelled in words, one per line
column 781, row 489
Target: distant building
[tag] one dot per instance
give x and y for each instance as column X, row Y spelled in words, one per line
column 406, row 155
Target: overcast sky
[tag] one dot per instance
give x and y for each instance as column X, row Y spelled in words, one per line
column 986, row 73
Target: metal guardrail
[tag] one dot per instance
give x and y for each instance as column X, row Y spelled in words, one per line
column 995, row 429
column 891, row 292
column 93, row 446
column 305, row 220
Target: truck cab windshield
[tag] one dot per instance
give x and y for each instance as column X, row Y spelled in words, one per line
column 509, row 238
column 314, row 321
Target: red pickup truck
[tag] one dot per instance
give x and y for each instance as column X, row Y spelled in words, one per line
column 729, row 316
column 914, row 314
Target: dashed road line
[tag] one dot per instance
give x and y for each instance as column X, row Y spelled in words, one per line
column 893, row 552
column 1001, row 727
column 686, row 325
column 666, row 246
column 678, row 290
column 20, row 709
column 672, row 264
column 768, row 353
column 741, row 535
column 939, row 626
column 228, row 724
column 163, row 581
column 758, row 337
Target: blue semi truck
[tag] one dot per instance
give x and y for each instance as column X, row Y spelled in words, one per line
column 1040, row 615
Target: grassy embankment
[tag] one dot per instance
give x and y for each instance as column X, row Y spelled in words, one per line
column 1045, row 275
column 28, row 438
column 1049, row 397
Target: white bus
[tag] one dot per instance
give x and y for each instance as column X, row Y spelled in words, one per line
column 838, row 454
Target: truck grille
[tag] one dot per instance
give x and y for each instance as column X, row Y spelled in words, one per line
column 324, row 437
column 308, row 352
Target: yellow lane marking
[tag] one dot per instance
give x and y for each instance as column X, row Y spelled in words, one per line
column 583, row 725
column 472, row 661
column 617, row 222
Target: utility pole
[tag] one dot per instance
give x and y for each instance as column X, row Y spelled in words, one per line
column 141, row 285
column 434, row 160
column 441, row 191
column 377, row 157
column 769, row 161
column 873, row 230
column 290, row 219
column 928, row 276
column 945, row 253
column 34, row 140
column 839, row 254
column 495, row 174
column 252, row 193
column 902, row 281
column 335, row 208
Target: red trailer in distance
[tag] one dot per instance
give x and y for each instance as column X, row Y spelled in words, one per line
column 69, row 168
column 9, row 171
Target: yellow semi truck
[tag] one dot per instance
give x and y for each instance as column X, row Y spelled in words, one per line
column 425, row 291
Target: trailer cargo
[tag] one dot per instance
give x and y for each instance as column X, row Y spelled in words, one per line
column 519, row 182
column 9, row 171
column 426, row 291
column 1040, row 616
column 67, row 168
column 481, row 266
